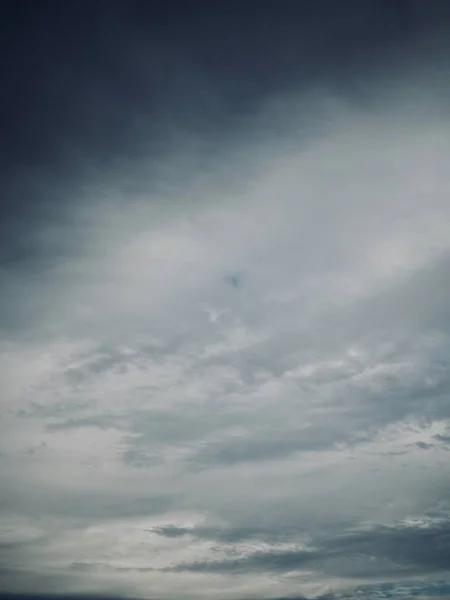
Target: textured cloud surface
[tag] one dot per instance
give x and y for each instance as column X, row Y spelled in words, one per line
column 225, row 304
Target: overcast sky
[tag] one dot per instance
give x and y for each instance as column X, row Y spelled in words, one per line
column 225, row 299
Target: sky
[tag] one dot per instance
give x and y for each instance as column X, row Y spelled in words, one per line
column 225, row 299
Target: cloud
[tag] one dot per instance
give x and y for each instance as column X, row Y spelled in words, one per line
column 224, row 357
column 378, row 551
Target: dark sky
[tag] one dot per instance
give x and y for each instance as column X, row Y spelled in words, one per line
column 85, row 83
column 76, row 75
column 224, row 299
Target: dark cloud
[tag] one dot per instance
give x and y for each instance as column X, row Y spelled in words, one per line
column 395, row 550
column 401, row 589
column 224, row 307
column 86, row 85
column 260, row 562
column 235, row 280
column 233, row 535
column 57, row 596
column 424, row 445
column 443, row 439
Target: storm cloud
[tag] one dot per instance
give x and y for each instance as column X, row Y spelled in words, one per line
column 224, row 300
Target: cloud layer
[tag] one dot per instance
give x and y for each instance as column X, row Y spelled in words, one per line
column 227, row 375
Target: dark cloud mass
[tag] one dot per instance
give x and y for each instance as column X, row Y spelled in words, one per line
column 402, row 549
column 224, row 299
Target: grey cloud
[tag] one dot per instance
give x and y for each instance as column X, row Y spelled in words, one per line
column 228, row 327
column 235, row 534
column 262, row 562
column 444, row 439
column 87, row 508
column 235, row 280
column 424, row 445
column 402, row 589
column 394, row 550
column 28, row 584
column 171, row 531
column 260, row 447
column 424, row 548
column 100, row 421
column 397, row 397
column 389, row 397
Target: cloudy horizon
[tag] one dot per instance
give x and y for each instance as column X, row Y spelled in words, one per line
column 224, row 300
